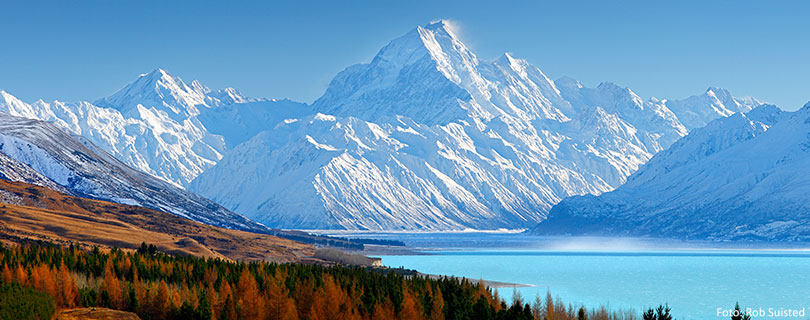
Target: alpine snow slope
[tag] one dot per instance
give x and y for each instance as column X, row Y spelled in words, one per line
column 743, row 177
column 40, row 153
column 428, row 137
column 159, row 124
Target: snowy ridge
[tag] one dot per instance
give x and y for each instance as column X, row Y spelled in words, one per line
column 41, row 153
column 428, row 137
column 158, row 123
column 720, row 103
column 160, row 91
column 13, row 170
column 741, row 177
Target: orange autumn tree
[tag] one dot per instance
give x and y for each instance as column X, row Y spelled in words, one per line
column 248, row 302
column 112, row 287
column 409, row 309
column 8, row 277
column 437, row 304
column 383, row 311
column 67, row 287
column 226, row 305
column 161, row 302
column 20, row 275
column 281, row 306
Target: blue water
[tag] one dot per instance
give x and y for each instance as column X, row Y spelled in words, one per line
column 695, row 282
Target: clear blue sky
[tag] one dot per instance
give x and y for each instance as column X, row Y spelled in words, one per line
column 669, row 49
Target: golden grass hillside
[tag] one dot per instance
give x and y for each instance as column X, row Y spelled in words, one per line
column 31, row 213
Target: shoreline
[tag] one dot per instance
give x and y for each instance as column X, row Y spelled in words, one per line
column 487, row 283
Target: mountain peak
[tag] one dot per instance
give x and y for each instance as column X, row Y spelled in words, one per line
column 567, row 82
column 508, row 58
column 435, row 39
column 607, row 85
column 157, row 73
column 440, row 25
column 160, row 76
column 718, row 92
column 160, row 90
column 428, row 64
column 618, row 90
column 156, row 76
column 225, row 96
column 440, row 30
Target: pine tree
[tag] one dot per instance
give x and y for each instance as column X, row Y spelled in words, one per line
column 581, row 314
column 203, row 309
column 408, row 311
column 20, row 275
column 211, row 296
column 383, row 311
column 280, row 305
column 133, row 304
column 318, row 306
column 47, row 278
column 68, row 288
column 227, row 305
column 551, row 313
column 537, row 307
column 35, row 279
column 662, row 313
column 112, row 286
column 248, row 304
column 649, row 314
column 437, row 309
column 482, row 310
column 8, row 277
column 161, row 302
column 738, row 314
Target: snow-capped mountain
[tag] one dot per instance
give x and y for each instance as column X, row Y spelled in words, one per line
column 158, row 123
column 427, row 136
column 40, row 153
column 715, row 102
column 13, row 170
column 741, row 177
column 144, row 136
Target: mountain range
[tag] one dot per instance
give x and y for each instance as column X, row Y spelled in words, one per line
column 739, row 178
column 423, row 137
column 427, row 136
column 40, row 153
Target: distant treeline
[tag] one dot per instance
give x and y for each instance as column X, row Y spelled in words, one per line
column 380, row 242
column 38, row 278
column 331, row 241
column 309, row 238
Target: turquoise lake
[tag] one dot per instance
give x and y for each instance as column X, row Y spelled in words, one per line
column 694, row 281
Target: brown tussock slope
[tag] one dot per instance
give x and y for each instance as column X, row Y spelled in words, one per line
column 35, row 213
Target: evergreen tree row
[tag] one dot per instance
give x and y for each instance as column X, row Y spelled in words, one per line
column 160, row 286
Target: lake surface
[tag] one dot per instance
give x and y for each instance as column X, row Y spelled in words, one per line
column 693, row 278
